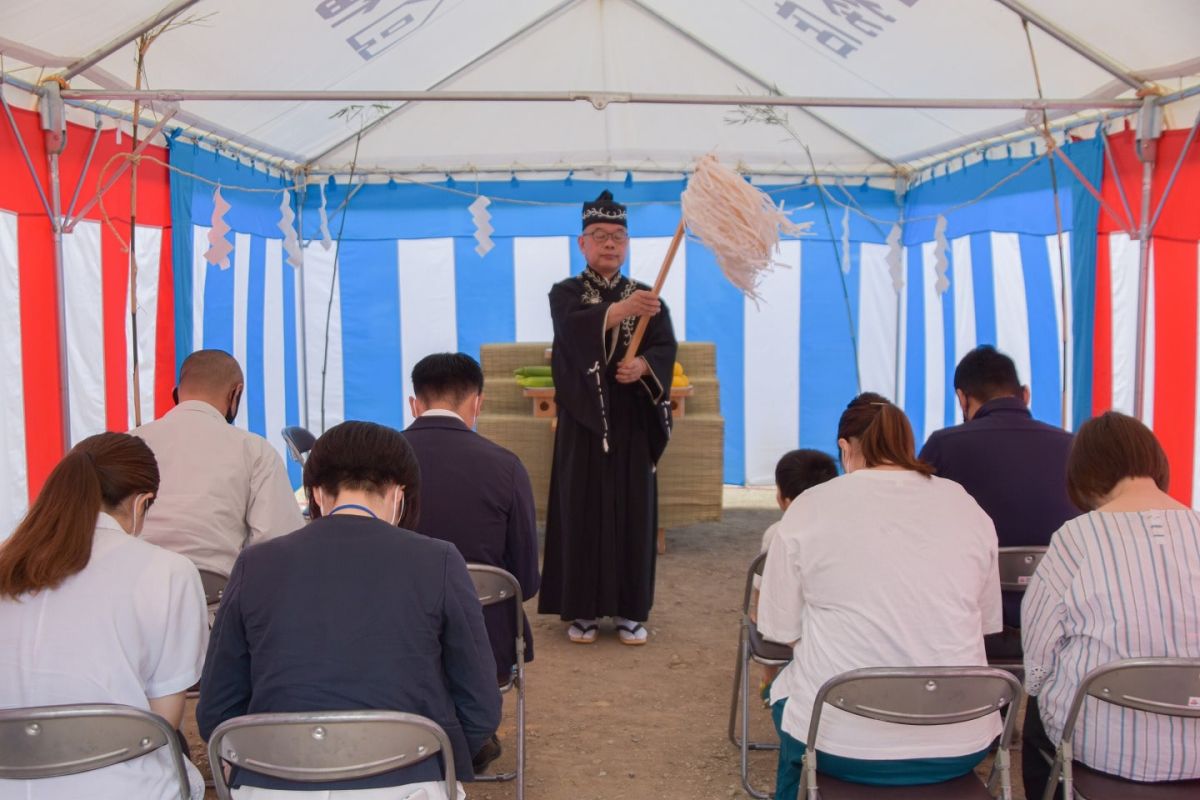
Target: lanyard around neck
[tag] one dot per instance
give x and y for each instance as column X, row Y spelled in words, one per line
column 336, row 509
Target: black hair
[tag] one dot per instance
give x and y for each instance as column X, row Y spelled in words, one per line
column 985, row 374
column 447, row 376
column 799, row 470
column 364, row 456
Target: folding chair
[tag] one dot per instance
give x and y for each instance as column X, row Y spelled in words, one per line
column 1167, row 686
column 495, row 585
column 214, row 586
column 299, row 442
column 318, row 746
column 751, row 647
column 916, row 696
column 1017, row 565
column 52, row 741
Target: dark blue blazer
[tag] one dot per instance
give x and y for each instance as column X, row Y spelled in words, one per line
column 353, row 613
column 1016, row 469
column 477, row 495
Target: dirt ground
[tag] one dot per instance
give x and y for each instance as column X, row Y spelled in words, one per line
column 607, row 721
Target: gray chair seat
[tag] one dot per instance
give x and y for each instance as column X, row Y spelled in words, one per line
column 1096, row 785
column 1160, row 686
column 968, row 787
column 917, row 696
column 766, row 650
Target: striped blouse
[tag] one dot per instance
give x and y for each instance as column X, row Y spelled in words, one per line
column 1114, row 586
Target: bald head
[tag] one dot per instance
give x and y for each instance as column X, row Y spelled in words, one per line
column 214, row 377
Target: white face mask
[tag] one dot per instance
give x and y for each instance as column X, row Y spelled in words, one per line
column 475, row 411
column 135, row 528
column 398, row 507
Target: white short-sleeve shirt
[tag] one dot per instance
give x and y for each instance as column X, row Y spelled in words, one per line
column 880, row 568
column 130, row 626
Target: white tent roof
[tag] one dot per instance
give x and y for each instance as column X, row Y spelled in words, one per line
column 808, row 48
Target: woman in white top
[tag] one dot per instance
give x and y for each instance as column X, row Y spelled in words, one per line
column 885, row 566
column 1122, row 581
column 90, row 614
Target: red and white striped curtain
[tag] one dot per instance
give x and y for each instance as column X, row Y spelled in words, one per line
column 1170, row 384
column 96, row 295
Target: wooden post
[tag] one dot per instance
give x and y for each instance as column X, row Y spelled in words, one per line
column 640, row 331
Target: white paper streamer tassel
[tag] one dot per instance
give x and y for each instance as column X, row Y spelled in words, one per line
column 846, row 241
column 219, row 247
column 291, row 243
column 738, row 222
column 941, row 260
column 895, row 258
column 483, row 225
column 323, row 217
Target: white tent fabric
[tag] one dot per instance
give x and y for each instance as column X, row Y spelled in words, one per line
column 817, row 48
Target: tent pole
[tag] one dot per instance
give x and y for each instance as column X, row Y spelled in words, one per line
column 734, row 65
column 1162, row 201
column 54, row 124
column 195, row 128
column 1182, row 94
column 87, row 163
column 37, row 182
column 106, row 50
column 69, row 225
column 301, row 316
column 1093, row 55
column 504, row 171
column 1147, row 141
column 463, row 70
column 1102, row 134
column 600, row 98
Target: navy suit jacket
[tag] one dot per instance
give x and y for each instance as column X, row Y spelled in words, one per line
column 1016, row 469
column 353, row 613
column 477, row 495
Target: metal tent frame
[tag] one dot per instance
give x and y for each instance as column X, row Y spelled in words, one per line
column 55, row 94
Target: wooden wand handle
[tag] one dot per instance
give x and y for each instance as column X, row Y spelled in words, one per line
column 631, row 352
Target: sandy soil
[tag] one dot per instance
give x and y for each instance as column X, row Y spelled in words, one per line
column 607, row 721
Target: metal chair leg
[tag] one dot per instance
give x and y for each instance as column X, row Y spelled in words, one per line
column 521, row 729
column 517, row 686
column 737, row 686
column 744, row 748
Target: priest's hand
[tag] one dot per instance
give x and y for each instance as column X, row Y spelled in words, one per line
column 641, row 303
column 633, row 371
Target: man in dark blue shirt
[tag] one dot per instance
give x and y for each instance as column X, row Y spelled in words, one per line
column 475, row 495
column 1014, row 466
column 355, row 612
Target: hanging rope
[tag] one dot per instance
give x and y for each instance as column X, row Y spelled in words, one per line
column 1064, row 288
column 337, row 247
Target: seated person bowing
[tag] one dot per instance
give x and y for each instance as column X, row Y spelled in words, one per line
column 355, row 611
column 1121, row 581
column 474, row 494
column 90, row 613
column 885, row 566
column 223, row 488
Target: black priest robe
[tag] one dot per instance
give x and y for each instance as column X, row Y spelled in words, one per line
column 602, row 514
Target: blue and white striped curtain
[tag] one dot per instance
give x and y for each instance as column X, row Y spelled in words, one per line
column 409, row 282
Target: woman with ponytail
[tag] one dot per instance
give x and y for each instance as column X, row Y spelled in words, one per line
column 91, row 614
column 885, row 566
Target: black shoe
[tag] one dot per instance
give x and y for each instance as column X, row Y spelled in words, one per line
column 490, row 751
